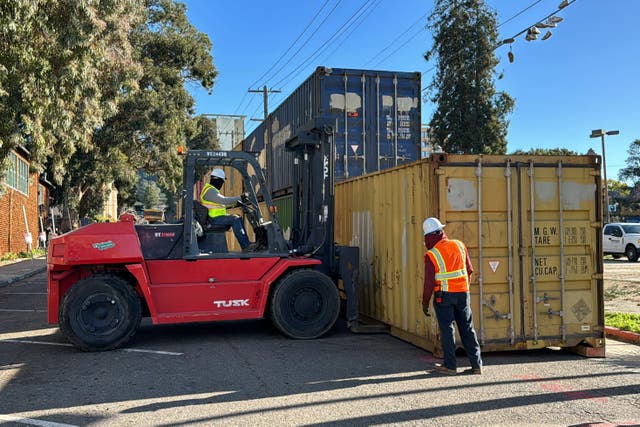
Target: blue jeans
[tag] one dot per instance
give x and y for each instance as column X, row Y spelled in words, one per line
column 456, row 306
column 236, row 224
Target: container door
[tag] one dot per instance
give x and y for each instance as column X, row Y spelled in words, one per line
column 476, row 197
column 344, row 94
column 559, row 247
column 529, row 230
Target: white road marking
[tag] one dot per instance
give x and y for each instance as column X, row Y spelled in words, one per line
column 12, row 367
column 32, row 422
column 30, row 333
column 24, row 293
column 140, row 350
column 22, row 311
column 60, row 344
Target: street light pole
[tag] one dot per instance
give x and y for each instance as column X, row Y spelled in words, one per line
column 601, row 133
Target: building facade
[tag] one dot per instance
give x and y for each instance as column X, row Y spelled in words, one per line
column 24, row 205
column 229, row 130
column 426, row 142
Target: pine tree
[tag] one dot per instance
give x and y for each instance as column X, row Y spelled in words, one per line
column 470, row 116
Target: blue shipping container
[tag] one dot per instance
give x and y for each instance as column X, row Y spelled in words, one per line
column 376, row 117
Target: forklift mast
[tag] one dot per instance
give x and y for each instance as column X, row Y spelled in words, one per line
column 313, row 205
column 313, row 210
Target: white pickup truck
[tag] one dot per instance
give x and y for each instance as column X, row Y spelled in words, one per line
column 621, row 239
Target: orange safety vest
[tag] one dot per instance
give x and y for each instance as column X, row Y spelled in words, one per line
column 214, row 208
column 450, row 261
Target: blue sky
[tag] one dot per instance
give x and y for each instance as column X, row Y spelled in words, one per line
column 584, row 77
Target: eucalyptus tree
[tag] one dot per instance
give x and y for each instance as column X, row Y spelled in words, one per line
column 63, row 67
column 153, row 118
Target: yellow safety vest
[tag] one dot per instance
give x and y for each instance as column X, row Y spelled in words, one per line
column 214, row 208
column 449, row 259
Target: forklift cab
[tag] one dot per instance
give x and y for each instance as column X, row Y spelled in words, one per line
column 202, row 239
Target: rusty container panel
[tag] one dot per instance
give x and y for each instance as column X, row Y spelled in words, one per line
column 533, row 229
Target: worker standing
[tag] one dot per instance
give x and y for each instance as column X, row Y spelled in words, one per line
column 217, row 204
column 447, row 276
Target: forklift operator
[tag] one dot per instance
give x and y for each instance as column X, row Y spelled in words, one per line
column 216, row 203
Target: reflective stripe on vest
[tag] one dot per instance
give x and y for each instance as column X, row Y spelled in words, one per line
column 214, row 208
column 444, row 276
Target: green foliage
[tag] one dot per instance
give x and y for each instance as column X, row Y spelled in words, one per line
column 149, row 194
column 63, row 66
column 152, row 124
column 9, row 256
column 96, row 91
column 626, row 197
column 546, row 152
column 623, row 321
column 632, row 171
column 470, row 115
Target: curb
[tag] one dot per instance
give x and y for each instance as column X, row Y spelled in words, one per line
column 626, row 336
column 23, row 276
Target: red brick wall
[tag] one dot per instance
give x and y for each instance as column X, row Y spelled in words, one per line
column 12, row 227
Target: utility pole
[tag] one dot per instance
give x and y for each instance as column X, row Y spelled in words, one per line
column 600, row 133
column 265, row 95
column 267, row 143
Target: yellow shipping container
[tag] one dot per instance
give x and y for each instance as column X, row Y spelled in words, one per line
column 533, row 228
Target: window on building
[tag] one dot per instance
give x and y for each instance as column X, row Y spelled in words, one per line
column 17, row 175
column 40, row 194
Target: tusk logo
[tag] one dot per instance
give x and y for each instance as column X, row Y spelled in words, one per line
column 232, row 303
column 326, row 167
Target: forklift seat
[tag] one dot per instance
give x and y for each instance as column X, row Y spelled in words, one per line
column 214, row 239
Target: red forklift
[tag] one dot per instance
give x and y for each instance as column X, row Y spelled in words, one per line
column 103, row 278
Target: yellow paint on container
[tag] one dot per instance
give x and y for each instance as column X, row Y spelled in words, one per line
column 533, row 228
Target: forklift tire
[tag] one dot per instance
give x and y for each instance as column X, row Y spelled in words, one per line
column 305, row 304
column 100, row 313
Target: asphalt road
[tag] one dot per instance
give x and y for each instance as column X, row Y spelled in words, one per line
column 245, row 373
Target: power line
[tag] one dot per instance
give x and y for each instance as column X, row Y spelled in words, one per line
column 292, row 44
column 520, row 13
column 283, row 55
column 349, row 21
column 510, row 39
column 397, row 38
column 352, row 22
column 398, row 48
column 304, row 44
column 362, row 18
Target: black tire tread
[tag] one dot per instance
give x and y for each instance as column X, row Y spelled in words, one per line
column 283, row 285
column 119, row 284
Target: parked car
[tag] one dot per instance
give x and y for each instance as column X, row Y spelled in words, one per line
column 621, row 239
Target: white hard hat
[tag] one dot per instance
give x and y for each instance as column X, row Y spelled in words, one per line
column 431, row 225
column 218, row 173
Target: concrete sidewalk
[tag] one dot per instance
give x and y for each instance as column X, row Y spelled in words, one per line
column 21, row 269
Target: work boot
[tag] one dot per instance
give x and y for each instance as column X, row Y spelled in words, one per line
column 474, row 371
column 441, row 369
column 251, row 247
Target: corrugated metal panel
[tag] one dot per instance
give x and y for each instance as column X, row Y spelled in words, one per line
column 538, row 271
column 375, row 114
